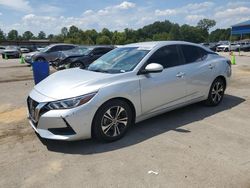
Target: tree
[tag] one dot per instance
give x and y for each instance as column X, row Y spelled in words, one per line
column 174, row 33
column 2, row 35
column 73, row 31
column 206, row 24
column 27, row 35
column 41, row 35
column 107, row 33
column 12, row 35
column 161, row 36
column 220, row 34
column 64, row 31
column 118, row 38
column 51, row 36
column 103, row 40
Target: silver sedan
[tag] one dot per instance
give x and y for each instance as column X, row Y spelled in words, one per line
column 127, row 85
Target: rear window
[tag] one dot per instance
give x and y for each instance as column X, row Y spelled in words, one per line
column 193, row 53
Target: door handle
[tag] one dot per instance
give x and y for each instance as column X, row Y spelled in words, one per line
column 211, row 66
column 180, row 74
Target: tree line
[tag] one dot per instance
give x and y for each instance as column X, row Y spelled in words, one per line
column 160, row 30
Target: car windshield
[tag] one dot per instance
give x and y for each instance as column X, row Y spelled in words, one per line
column 119, row 60
column 81, row 50
column 45, row 49
column 11, row 48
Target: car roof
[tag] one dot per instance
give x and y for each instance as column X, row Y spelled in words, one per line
column 61, row 44
column 99, row 46
column 157, row 44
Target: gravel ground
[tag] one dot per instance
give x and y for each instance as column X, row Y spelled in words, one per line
column 195, row 146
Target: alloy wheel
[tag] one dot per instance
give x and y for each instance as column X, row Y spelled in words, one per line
column 114, row 121
column 217, row 92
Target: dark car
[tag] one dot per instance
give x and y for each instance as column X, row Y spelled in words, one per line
column 81, row 56
column 11, row 51
column 49, row 53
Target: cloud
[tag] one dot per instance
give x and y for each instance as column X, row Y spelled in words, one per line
column 1, row 13
column 126, row 5
column 239, row 11
column 231, row 16
column 166, row 12
column 193, row 19
column 49, row 9
column 192, row 7
column 19, row 5
column 127, row 15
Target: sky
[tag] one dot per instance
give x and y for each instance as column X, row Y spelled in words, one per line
column 51, row 15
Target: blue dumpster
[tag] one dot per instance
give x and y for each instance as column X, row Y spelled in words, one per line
column 40, row 70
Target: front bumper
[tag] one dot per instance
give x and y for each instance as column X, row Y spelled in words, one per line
column 67, row 124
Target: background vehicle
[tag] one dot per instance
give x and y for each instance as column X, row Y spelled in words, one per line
column 81, row 56
column 24, row 50
column 12, row 51
column 2, row 48
column 49, row 53
column 227, row 47
column 128, row 84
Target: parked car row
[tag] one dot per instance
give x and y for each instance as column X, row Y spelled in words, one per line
column 226, row 46
column 11, row 51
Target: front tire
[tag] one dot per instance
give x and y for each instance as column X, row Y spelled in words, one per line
column 216, row 92
column 112, row 121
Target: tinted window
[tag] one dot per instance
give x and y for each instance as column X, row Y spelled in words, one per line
column 167, row 56
column 193, row 53
column 66, row 47
column 101, row 51
column 53, row 49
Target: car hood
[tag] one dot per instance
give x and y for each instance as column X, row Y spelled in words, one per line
column 223, row 46
column 11, row 50
column 73, row 82
column 31, row 54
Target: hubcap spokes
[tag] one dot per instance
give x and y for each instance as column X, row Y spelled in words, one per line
column 217, row 92
column 114, row 121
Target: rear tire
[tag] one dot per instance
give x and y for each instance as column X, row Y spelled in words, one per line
column 216, row 92
column 112, row 121
column 76, row 64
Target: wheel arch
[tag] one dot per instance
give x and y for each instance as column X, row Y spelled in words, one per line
column 131, row 105
column 223, row 78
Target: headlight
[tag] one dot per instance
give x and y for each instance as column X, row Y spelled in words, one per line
column 70, row 103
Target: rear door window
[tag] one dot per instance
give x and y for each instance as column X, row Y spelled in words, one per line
column 193, row 53
column 67, row 47
column 167, row 56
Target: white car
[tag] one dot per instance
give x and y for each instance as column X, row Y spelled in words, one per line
column 2, row 48
column 24, row 50
column 127, row 85
column 227, row 47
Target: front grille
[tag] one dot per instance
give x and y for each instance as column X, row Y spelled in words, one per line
column 32, row 104
column 36, row 110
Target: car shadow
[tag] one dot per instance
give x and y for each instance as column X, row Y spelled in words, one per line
column 174, row 120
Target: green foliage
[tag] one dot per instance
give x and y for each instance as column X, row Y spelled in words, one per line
column 2, row 35
column 41, row 35
column 220, row 34
column 206, row 24
column 161, row 36
column 158, row 31
column 12, row 35
column 103, row 39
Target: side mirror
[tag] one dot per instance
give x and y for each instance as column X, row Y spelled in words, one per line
column 153, row 68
